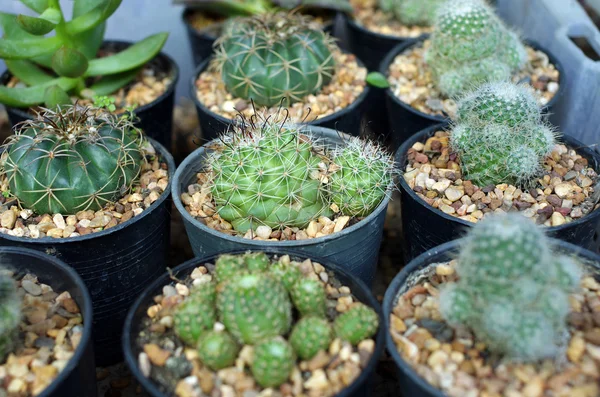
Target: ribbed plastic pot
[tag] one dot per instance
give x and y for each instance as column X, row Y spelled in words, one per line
column 201, row 42
column 116, row 264
column 411, row 384
column 358, row 388
column 356, row 247
column 155, row 118
column 404, row 120
column 425, row 227
column 347, row 120
column 78, row 378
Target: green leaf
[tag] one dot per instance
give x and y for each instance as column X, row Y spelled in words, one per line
column 12, row 29
column 25, row 49
column 68, row 62
column 31, row 96
column 92, row 18
column 110, row 84
column 378, row 80
column 38, row 6
column 28, row 72
column 88, row 42
column 136, row 55
column 53, row 15
column 54, row 96
column 35, row 26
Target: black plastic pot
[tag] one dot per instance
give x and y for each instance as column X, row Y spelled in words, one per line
column 404, row 120
column 116, row 264
column 355, row 247
column 201, row 42
column 155, row 118
column 79, row 376
column 347, row 120
column 425, row 227
column 138, row 311
column 411, row 384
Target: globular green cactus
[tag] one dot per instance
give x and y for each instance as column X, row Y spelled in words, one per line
column 513, row 288
column 363, row 179
column 310, row 335
column 72, row 159
column 309, row 297
column 360, row 322
column 274, row 57
column 10, row 314
column 254, row 306
column 412, row 12
column 228, row 266
column 218, row 349
column 257, row 261
column 288, row 273
column 470, row 45
column 499, row 135
column 273, row 362
column 197, row 314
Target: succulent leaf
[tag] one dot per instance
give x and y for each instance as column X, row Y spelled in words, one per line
column 68, row 62
column 35, row 26
column 55, row 96
column 92, row 18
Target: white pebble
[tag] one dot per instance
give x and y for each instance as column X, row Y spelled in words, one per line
column 263, row 231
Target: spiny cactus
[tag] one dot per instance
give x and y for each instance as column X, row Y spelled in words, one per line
column 358, row 323
column 218, row 349
column 196, row 314
column 288, row 274
column 274, row 57
column 412, row 12
column 513, row 288
column 254, row 307
column 470, row 45
column 273, row 362
column 228, row 266
column 72, row 159
column 10, row 314
column 310, row 335
column 499, row 135
column 309, row 297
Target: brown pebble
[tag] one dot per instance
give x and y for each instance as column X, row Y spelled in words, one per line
column 554, row 200
column 593, row 336
column 156, row 355
column 60, row 321
column 421, row 158
column 70, row 305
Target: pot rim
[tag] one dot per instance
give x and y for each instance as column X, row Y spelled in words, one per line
column 352, row 22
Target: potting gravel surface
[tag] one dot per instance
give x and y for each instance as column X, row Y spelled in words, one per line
column 411, row 80
column 368, row 15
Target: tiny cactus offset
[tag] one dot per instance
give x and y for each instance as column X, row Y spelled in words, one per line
column 309, row 297
column 360, row 322
column 310, row 335
column 288, row 273
column 513, row 288
column 273, row 362
column 228, row 266
column 412, row 12
column 218, row 349
column 197, row 314
column 10, row 313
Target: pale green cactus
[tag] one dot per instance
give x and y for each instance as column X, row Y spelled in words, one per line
column 273, row 362
column 412, row 12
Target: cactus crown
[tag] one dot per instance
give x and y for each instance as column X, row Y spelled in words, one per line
column 470, row 45
column 412, row 12
column 500, row 136
column 274, row 57
column 10, row 313
column 72, row 159
column 513, row 289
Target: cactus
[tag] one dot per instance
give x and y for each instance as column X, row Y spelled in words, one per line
column 288, row 274
column 274, row 57
column 513, row 289
column 257, row 261
column 470, row 45
column 499, row 135
column 218, row 349
column 309, row 297
column 196, row 314
column 310, row 335
column 10, row 314
column 254, row 307
column 228, row 266
column 360, row 322
column 273, row 362
column 412, row 12
column 54, row 58
column 363, row 179
column 72, row 159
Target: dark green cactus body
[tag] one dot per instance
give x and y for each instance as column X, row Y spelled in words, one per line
column 10, row 314
column 218, row 349
column 272, row 57
column 72, row 160
column 309, row 297
column 196, row 314
column 360, row 322
column 310, row 335
column 273, row 362
column 254, row 307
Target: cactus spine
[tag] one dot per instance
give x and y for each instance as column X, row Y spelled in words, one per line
column 10, row 313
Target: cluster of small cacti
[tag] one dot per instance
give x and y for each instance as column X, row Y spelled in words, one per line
column 72, row 159
column 412, row 12
column 10, row 313
column 513, row 289
column 256, row 307
column 271, row 173
column 500, row 136
column 274, row 57
column 470, row 45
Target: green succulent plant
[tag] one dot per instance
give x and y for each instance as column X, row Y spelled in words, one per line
column 356, row 324
column 412, row 12
column 57, row 59
column 197, row 314
column 513, row 288
column 288, row 274
column 309, row 297
column 72, row 159
column 310, row 335
column 274, row 57
column 218, row 349
column 228, row 266
column 273, row 362
column 10, row 314
column 231, row 8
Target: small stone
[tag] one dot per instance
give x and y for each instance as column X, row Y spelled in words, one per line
column 441, row 186
column 340, row 223
column 447, row 209
column 436, row 358
column 263, row 231
column 593, row 336
column 8, row 219
column 55, row 233
column 576, row 349
column 534, row 388
column 557, row 219
column 59, row 221
column 31, row 287
column 70, row 305
column 120, row 383
column 156, row 355
column 563, row 189
column 144, row 363
column 453, row 194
